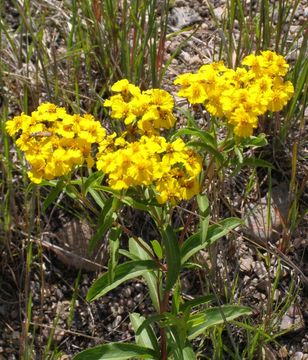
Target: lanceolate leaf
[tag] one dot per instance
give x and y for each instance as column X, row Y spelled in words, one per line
column 214, row 316
column 147, row 337
column 116, row 351
column 94, row 179
column 197, row 301
column 188, row 353
column 204, row 212
column 122, row 273
column 150, row 277
column 214, row 152
column 195, row 242
column 164, row 320
column 114, row 244
column 105, row 221
column 173, row 256
column 53, row 194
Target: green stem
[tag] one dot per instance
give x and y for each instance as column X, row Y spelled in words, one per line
column 163, row 340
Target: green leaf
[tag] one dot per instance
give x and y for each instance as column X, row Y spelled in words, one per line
column 214, row 316
column 128, row 254
column 204, row 212
column 122, row 273
column 53, row 194
column 189, row 117
column 239, row 154
column 195, row 243
column 173, row 256
column 105, row 221
column 176, row 298
column 188, row 353
column 195, row 302
column 157, row 249
column 151, row 278
column 116, row 351
column 206, row 137
column 147, row 337
column 95, row 178
column 71, row 191
column 197, row 144
column 139, row 205
column 175, row 342
column 207, row 142
column 164, row 320
column 114, row 244
column 255, row 141
column 97, row 198
column 52, row 183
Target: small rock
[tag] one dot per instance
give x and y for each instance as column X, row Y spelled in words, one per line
column 64, row 357
column 283, row 352
column 127, row 291
column 117, row 321
column 269, row 354
column 219, row 12
column 59, row 294
column 194, row 60
column 293, row 319
column 185, row 56
column 246, row 263
column 130, row 303
column 59, row 335
column 277, row 294
column 262, row 285
column 181, row 17
column 256, row 215
column 260, row 269
column 138, row 298
column 121, row 310
column 139, row 287
column 297, row 356
column 246, row 279
column 294, row 29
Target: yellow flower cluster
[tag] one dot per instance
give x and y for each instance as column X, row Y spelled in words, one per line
column 240, row 95
column 171, row 167
column 54, row 142
column 150, row 110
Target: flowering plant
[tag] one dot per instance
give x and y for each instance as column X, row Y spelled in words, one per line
column 138, row 166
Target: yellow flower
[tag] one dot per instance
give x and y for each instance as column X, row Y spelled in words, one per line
column 190, row 188
column 243, row 122
column 256, row 63
column 67, row 127
column 160, row 99
column 195, row 94
column 55, row 142
column 168, row 190
column 175, row 152
column 18, row 123
column 123, row 86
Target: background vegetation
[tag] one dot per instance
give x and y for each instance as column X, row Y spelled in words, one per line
column 70, row 53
